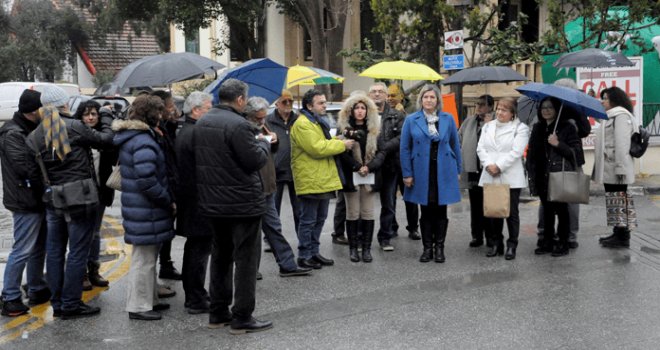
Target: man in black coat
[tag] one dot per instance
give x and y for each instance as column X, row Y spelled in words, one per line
column 194, row 227
column 22, row 196
column 228, row 157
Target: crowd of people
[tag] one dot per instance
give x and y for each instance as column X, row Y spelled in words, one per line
column 220, row 173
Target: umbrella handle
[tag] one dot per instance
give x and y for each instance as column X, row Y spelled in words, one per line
column 558, row 116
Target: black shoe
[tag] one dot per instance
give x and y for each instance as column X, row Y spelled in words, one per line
column 322, row 260
column 495, row 250
column 339, row 239
column 86, row 285
column 145, row 315
column 250, row 326
column 267, row 247
column 427, row 255
column 510, row 253
column 606, row 238
column 57, row 313
column 543, row 249
column 39, row 297
column 560, row 250
column 165, row 291
column 353, row 255
column 13, row 308
column 202, row 308
column 95, row 277
column 476, row 243
column 366, row 254
column 83, row 310
column 169, row 272
column 616, row 243
column 219, row 320
column 309, row 263
column 573, row 245
column 299, row 271
column 414, row 235
column 259, row 276
column 161, row 307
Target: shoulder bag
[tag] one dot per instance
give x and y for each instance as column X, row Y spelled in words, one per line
column 568, row 186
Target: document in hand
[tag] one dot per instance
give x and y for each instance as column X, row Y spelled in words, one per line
column 370, row 179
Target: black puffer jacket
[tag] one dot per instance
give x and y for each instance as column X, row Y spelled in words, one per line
column 77, row 165
column 227, row 161
column 542, row 158
column 282, row 156
column 21, row 190
column 390, row 136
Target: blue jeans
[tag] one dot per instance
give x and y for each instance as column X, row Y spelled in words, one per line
column 66, row 281
column 29, row 249
column 388, row 205
column 272, row 227
column 295, row 206
column 313, row 213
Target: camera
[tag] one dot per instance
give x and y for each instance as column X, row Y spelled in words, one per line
column 353, row 134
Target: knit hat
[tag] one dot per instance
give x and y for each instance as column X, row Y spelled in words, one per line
column 54, row 95
column 29, row 101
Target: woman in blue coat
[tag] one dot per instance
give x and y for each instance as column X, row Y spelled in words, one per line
column 430, row 164
column 147, row 207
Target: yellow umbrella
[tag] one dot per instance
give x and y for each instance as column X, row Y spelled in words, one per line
column 302, row 75
column 401, row 70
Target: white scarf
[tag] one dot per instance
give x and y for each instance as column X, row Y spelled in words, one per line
column 431, row 120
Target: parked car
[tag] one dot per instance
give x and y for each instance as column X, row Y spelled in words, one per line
column 11, row 92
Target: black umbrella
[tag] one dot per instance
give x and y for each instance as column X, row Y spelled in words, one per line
column 484, row 75
column 592, row 58
column 164, row 69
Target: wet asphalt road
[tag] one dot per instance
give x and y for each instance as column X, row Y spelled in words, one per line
column 594, row 298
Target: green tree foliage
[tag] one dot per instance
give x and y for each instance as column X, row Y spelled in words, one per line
column 601, row 25
column 36, row 40
column 414, row 30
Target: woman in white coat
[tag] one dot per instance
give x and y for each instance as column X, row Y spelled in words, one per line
column 614, row 166
column 500, row 149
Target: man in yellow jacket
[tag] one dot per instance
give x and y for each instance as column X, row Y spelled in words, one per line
column 315, row 175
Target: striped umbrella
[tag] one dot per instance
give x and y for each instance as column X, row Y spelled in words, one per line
column 302, row 75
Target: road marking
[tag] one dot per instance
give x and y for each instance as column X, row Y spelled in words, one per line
column 42, row 314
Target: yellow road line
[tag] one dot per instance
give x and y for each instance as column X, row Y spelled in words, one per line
column 42, row 314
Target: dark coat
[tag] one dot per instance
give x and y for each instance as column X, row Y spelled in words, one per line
column 391, row 122
column 77, row 165
column 228, row 158
column 145, row 198
column 189, row 222
column 21, row 190
column 542, row 158
column 282, row 156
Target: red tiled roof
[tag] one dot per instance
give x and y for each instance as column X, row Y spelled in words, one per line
column 120, row 48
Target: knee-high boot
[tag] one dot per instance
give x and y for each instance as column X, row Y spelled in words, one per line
column 352, row 234
column 440, row 241
column 367, row 237
column 427, row 240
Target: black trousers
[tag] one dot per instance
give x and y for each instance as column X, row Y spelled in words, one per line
column 196, row 253
column 550, row 210
column 412, row 210
column 432, row 216
column 234, row 262
column 165, row 252
column 478, row 223
column 339, row 218
column 512, row 222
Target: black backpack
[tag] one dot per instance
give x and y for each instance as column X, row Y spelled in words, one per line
column 639, row 141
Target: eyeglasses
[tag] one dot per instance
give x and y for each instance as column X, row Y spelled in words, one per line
column 286, row 102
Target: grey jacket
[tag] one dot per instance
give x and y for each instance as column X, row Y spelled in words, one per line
column 282, row 156
column 612, row 151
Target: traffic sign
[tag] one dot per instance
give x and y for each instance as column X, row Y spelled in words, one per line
column 454, row 40
column 453, row 62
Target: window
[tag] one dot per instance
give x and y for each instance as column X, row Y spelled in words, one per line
column 367, row 24
column 192, row 42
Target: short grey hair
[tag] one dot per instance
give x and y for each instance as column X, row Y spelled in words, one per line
column 254, row 105
column 231, row 89
column 383, row 85
column 196, row 99
column 426, row 88
column 567, row 83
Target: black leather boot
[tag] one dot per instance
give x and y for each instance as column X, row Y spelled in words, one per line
column 440, row 241
column 427, row 242
column 351, row 233
column 496, row 249
column 510, row 251
column 367, row 237
column 621, row 239
column 95, row 277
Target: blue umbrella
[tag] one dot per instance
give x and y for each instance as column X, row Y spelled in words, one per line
column 265, row 78
column 569, row 97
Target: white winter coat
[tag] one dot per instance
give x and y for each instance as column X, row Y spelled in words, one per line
column 612, row 150
column 503, row 144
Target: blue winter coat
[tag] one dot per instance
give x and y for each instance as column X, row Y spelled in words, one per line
column 415, row 150
column 145, row 199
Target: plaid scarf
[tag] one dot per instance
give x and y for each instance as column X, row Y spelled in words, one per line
column 55, row 133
